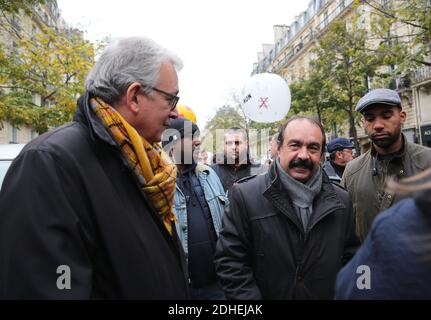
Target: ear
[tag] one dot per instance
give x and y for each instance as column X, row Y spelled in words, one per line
column 132, row 96
column 403, row 116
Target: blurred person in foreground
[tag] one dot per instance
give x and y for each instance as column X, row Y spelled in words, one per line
column 394, row 262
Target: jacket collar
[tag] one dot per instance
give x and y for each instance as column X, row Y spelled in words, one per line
column 399, row 154
column 88, row 118
column 324, row 203
column 404, row 157
column 202, row 168
column 231, row 166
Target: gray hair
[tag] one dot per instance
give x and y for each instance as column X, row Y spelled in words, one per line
column 125, row 61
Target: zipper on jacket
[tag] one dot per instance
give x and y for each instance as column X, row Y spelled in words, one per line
column 321, row 217
column 306, row 234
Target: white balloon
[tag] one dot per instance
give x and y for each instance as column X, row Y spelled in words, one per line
column 266, row 98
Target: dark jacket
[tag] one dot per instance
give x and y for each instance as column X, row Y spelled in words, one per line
column 397, row 252
column 70, row 199
column 263, row 251
column 330, row 171
column 365, row 179
column 228, row 174
column 202, row 236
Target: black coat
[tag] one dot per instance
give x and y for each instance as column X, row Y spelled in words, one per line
column 70, row 199
column 263, row 251
column 228, row 174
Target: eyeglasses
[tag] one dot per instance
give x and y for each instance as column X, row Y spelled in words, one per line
column 173, row 99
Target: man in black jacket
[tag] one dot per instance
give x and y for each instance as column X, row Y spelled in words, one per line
column 86, row 210
column 236, row 163
column 286, row 234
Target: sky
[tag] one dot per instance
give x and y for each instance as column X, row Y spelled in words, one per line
column 218, row 41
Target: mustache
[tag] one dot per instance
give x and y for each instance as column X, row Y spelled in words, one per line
column 301, row 163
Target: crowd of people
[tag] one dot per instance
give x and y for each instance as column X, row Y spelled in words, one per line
column 121, row 203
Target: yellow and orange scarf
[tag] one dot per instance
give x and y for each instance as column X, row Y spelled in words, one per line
column 155, row 171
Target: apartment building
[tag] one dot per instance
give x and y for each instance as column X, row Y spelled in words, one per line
column 291, row 53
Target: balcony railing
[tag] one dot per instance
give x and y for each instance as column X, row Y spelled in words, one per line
column 264, row 63
column 421, row 74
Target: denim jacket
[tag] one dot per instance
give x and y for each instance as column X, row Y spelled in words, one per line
column 214, row 195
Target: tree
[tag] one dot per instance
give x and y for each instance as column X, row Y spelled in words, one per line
column 13, row 6
column 311, row 97
column 226, row 117
column 250, row 124
column 404, row 28
column 49, row 66
column 344, row 63
column 232, row 115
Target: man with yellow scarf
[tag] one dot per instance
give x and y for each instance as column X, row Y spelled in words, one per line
column 86, row 210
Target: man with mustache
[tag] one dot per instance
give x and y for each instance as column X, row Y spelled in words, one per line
column 286, row 233
column 391, row 155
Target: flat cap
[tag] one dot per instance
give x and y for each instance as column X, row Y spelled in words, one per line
column 379, row 96
column 339, row 144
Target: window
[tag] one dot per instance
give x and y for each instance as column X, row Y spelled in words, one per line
column 385, row 4
column 14, row 135
column 32, row 134
column 36, row 99
column 16, row 23
column 318, row 5
column 342, row 4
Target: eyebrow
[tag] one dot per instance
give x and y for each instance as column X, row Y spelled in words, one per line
column 314, row 144
column 301, row 142
column 294, row 141
column 379, row 113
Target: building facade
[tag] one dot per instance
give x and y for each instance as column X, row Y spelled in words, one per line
column 291, row 53
column 12, row 25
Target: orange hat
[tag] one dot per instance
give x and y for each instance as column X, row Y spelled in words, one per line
column 187, row 113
